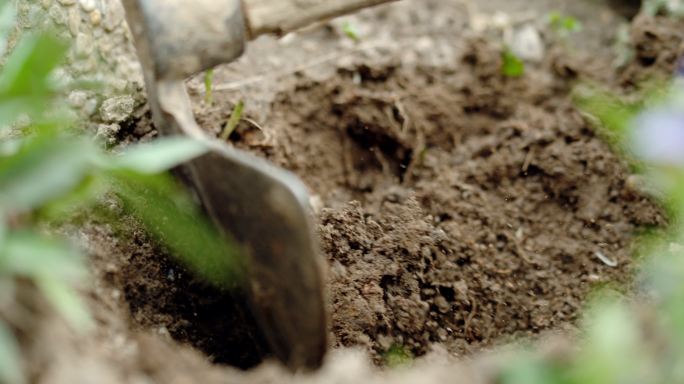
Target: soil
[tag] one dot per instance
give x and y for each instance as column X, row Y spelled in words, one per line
column 458, row 209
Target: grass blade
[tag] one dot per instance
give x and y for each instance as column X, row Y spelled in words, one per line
column 234, row 120
column 159, row 155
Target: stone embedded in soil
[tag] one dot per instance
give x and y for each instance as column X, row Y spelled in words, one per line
column 527, row 44
column 117, row 109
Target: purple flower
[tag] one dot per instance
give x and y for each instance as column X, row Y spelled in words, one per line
column 658, row 136
column 679, row 67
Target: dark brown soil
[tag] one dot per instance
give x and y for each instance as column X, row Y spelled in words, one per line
column 455, row 205
column 460, row 207
column 163, row 296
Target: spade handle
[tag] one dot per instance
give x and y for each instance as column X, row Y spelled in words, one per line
column 282, row 16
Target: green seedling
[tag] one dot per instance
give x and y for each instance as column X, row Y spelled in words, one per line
column 351, row 31
column 398, row 356
column 564, row 25
column 233, row 121
column 511, row 65
column 208, row 87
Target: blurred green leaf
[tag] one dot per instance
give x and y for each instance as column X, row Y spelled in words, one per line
column 45, row 168
column 53, row 266
column 613, row 113
column 7, row 17
column 66, row 301
column 175, row 221
column 3, row 226
column 159, row 155
column 512, row 66
column 10, row 146
column 612, row 353
column 351, row 31
column 208, row 87
column 83, row 196
column 10, row 358
column 32, row 256
column 564, row 25
column 531, row 370
column 26, row 86
column 398, row 356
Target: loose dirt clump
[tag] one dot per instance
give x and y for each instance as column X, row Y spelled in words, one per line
column 658, row 44
column 456, row 206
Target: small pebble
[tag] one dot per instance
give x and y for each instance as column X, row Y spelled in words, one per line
column 74, row 21
column 95, row 18
column 527, row 44
column 88, row 5
column 117, row 109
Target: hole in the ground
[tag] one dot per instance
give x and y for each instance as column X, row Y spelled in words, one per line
column 456, row 238
column 491, row 225
column 164, row 297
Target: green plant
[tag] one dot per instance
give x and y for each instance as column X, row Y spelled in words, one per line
column 208, row 86
column 563, row 25
column 49, row 170
column 351, row 31
column 511, row 65
column 398, row 356
column 233, row 121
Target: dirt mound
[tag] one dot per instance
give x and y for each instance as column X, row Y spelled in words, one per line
column 458, row 206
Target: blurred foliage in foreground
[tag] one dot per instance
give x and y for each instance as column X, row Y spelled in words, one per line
column 48, row 170
column 634, row 340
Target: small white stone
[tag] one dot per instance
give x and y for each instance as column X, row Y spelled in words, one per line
column 84, row 44
column 113, row 15
column 117, row 109
column 316, row 203
column 90, row 106
column 57, row 14
column 527, row 44
column 88, row 5
column 95, row 18
column 74, row 21
column 77, row 99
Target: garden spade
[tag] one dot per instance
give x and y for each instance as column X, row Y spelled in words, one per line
column 263, row 207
